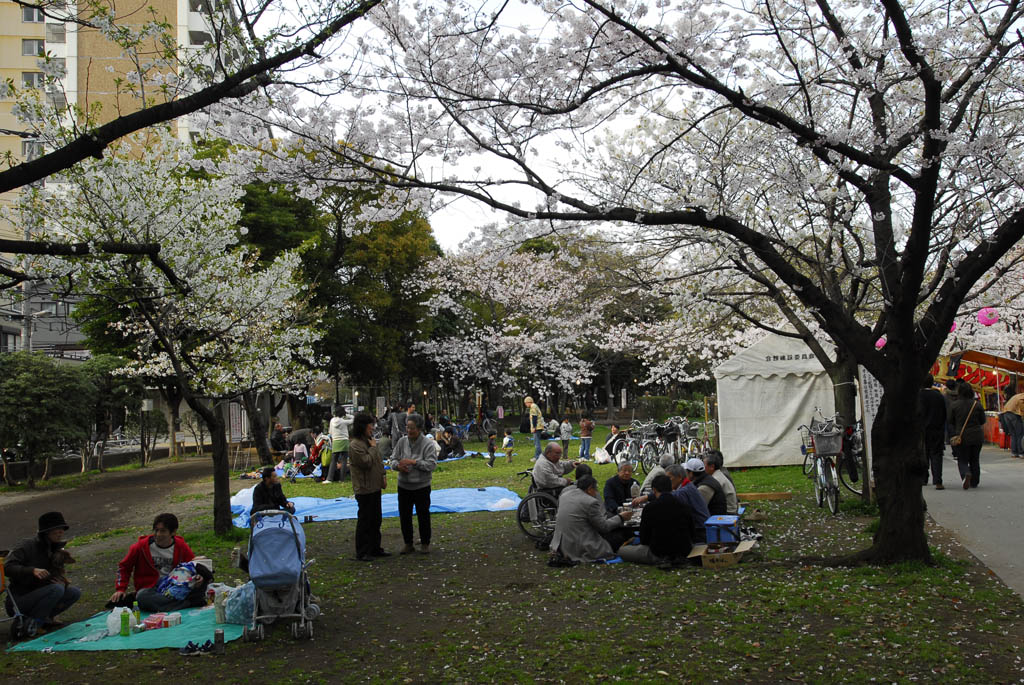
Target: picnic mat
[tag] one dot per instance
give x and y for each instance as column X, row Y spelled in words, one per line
column 449, row 500
column 197, row 625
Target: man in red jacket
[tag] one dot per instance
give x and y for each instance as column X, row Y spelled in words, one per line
column 149, row 560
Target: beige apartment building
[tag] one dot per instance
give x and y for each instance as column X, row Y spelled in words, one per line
column 93, row 65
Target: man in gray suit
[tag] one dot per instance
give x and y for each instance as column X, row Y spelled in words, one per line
column 581, row 523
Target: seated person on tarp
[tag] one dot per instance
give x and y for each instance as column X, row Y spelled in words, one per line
column 664, row 462
column 148, row 561
column 581, row 525
column 36, row 577
column 269, row 495
column 549, row 470
column 450, row 445
column 709, row 488
column 619, row 488
column 687, row 495
column 713, row 466
column 665, row 529
column 279, row 439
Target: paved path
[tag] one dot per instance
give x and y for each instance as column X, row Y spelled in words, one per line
column 114, row 500
column 989, row 520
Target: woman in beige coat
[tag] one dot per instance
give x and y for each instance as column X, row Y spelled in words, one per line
column 368, row 480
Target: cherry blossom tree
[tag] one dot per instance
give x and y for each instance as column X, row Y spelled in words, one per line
column 221, row 325
column 519, row 319
column 876, row 142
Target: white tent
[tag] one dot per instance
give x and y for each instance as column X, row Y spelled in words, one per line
column 765, row 393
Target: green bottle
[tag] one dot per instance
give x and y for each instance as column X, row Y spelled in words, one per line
column 136, row 613
column 125, row 627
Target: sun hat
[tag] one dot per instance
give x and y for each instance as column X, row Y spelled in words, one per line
column 52, row 520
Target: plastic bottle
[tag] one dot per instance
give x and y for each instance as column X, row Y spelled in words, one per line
column 125, row 624
column 136, row 614
column 635, row 490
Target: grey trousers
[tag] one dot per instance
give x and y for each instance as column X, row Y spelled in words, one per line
column 151, row 600
column 339, row 466
column 639, row 554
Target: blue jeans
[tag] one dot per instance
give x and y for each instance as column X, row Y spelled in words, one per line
column 46, row 602
column 1015, row 433
column 536, row 445
column 584, row 448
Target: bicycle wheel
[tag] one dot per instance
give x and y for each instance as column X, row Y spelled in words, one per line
column 819, row 483
column 809, row 464
column 832, row 487
column 619, row 451
column 536, row 516
column 648, row 457
column 851, row 472
column 692, row 448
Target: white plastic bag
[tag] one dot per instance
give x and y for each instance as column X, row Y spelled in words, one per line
column 114, row 620
column 601, row 456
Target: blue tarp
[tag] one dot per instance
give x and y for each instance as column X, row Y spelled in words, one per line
column 449, row 500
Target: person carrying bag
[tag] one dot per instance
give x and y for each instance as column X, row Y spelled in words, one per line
column 966, row 445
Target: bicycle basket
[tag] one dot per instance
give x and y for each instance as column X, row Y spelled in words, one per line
column 806, row 442
column 828, row 444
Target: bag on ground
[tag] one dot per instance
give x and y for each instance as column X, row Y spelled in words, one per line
column 240, row 605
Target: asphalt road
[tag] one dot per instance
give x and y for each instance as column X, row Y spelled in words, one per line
column 989, row 520
column 115, row 500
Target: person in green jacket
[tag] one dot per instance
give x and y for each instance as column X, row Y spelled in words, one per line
column 368, row 481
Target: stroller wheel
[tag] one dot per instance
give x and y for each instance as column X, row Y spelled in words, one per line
column 309, row 630
column 312, row 611
column 260, row 632
column 295, row 630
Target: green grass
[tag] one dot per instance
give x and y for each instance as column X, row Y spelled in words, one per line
column 74, row 480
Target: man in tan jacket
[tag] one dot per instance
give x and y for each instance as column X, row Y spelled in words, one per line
column 1013, row 411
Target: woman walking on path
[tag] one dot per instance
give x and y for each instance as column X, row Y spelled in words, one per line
column 415, row 460
column 967, row 418
column 368, row 480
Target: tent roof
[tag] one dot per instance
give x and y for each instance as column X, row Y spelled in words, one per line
column 991, row 360
column 773, row 355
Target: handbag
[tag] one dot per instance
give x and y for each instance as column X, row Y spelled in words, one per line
column 959, row 438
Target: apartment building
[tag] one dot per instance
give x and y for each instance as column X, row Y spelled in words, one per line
column 95, row 72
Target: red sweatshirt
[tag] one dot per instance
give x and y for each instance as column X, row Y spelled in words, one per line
column 139, row 562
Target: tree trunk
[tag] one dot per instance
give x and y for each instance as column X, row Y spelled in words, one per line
column 258, row 427
column 214, row 421
column 899, row 470
column 46, row 468
column 608, row 390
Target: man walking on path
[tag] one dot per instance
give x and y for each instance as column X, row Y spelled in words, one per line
column 932, row 407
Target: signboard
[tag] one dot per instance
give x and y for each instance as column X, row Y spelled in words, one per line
column 623, row 403
column 235, row 421
column 870, row 398
column 501, row 412
column 379, row 405
column 147, row 405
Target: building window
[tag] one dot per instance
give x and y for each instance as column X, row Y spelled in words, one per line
column 31, row 149
column 9, row 342
column 32, row 79
column 56, row 33
column 33, row 47
column 33, row 15
column 199, row 38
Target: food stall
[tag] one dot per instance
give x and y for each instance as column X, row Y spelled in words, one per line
column 995, row 379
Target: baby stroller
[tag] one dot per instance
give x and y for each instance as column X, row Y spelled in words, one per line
column 277, row 566
column 20, row 626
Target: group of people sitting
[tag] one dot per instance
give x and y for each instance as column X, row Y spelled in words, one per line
column 42, row 591
column 677, row 499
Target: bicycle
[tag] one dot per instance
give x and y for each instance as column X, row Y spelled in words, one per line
column 849, row 462
column 827, row 442
column 536, row 512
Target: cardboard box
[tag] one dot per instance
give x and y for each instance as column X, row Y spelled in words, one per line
column 729, row 555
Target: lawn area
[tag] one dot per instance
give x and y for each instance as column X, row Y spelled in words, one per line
column 485, row 607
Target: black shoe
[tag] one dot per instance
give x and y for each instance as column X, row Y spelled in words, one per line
column 380, row 553
column 363, row 557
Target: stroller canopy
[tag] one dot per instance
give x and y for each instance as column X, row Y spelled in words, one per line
column 277, row 549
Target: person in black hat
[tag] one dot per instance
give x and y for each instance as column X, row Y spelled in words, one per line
column 31, row 568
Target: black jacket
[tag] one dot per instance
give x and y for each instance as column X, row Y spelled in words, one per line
column 666, row 527
column 717, row 505
column 616, row 493
column 31, row 554
column 264, row 497
column 966, row 414
column 932, row 407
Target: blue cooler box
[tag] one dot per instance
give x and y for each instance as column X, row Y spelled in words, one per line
column 722, row 528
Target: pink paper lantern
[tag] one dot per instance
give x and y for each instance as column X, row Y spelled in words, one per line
column 987, row 316
column 880, row 343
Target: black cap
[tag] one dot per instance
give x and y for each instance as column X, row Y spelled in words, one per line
column 52, row 520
